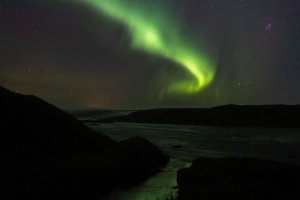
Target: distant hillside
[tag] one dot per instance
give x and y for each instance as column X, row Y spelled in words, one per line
column 227, row 115
column 97, row 114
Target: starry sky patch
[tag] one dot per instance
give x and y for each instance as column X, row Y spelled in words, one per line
column 133, row 54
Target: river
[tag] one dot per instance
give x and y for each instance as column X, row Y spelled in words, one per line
column 279, row 144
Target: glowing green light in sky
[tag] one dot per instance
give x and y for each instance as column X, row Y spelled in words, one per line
column 153, row 30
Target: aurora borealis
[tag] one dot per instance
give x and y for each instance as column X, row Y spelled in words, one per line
column 153, row 32
column 131, row 54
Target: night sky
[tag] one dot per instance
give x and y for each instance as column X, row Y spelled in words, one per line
column 136, row 54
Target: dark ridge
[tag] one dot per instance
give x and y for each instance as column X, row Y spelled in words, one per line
column 4, row 91
column 46, row 153
column 30, row 125
column 286, row 116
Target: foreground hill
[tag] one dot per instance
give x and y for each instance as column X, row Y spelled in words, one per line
column 238, row 179
column 227, row 115
column 30, row 125
column 47, row 153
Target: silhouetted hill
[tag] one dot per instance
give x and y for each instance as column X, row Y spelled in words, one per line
column 47, row 154
column 227, row 115
column 4, row 91
column 30, row 125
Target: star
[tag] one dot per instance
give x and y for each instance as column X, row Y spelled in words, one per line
column 269, row 26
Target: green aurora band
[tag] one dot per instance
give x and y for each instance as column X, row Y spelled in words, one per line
column 154, row 31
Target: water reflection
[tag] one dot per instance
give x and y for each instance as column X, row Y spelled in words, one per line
column 155, row 187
